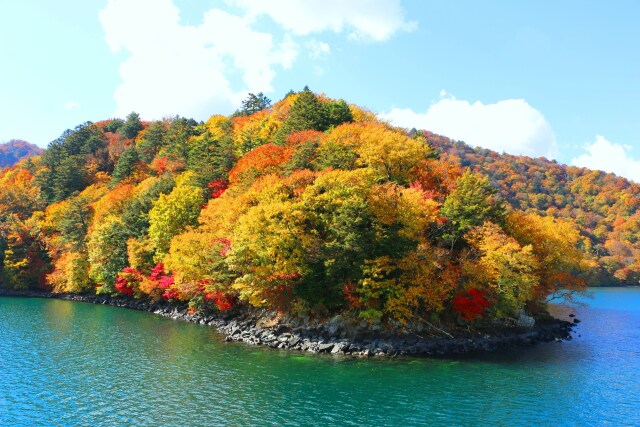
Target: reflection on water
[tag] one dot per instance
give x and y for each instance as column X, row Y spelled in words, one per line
column 66, row 363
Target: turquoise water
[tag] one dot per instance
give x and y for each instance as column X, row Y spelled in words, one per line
column 73, row 364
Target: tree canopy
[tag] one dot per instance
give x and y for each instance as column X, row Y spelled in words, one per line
column 309, row 206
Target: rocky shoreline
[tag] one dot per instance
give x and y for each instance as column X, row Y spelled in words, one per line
column 336, row 335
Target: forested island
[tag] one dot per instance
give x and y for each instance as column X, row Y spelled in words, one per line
column 311, row 210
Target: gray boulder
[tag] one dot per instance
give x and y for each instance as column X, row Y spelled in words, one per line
column 524, row 320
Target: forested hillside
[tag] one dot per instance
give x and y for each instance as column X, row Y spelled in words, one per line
column 603, row 206
column 15, row 150
column 309, row 206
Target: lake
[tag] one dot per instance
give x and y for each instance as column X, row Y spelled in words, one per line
column 74, row 364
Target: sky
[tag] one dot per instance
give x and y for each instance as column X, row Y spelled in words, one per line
column 553, row 79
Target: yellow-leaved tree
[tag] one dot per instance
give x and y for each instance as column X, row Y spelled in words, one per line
column 268, row 253
column 390, row 154
column 556, row 247
column 508, row 269
column 174, row 212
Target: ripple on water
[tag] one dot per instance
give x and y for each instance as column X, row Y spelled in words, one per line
column 72, row 364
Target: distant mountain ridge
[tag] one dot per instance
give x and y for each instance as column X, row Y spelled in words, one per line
column 603, row 206
column 15, row 150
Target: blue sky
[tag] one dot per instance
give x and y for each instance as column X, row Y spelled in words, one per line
column 555, row 79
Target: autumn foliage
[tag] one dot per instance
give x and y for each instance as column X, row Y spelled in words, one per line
column 222, row 301
column 602, row 207
column 128, row 281
column 263, row 160
column 309, row 206
column 470, row 304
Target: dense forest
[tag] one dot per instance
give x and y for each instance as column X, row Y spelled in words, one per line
column 309, row 206
column 15, row 150
column 602, row 206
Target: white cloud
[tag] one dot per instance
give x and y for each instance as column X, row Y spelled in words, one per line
column 510, row 125
column 376, row 20
column 70, row 105
column 178, row 69
column 317, row 49
column 196, row 70
column 609, row 157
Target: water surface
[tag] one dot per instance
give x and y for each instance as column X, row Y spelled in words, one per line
column 71, row 364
